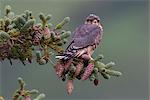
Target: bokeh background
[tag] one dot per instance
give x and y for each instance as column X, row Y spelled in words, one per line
column 125, row 42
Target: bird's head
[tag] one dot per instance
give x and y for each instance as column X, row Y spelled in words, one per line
column 93, row 19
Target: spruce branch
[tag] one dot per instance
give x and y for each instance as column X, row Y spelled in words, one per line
column 21, row 35
column 22, row 93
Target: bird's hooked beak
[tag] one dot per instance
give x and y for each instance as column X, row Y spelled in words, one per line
column 101, row 26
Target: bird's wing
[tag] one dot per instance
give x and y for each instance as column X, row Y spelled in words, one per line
column 85, row 35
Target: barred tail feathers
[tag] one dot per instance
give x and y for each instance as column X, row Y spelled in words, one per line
column 66, row 56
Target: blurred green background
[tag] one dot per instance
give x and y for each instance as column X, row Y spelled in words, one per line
column 125, row 42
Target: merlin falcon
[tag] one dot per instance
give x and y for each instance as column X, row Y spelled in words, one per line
column 85, row 39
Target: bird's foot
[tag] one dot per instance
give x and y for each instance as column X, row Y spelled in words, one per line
column 87, row 57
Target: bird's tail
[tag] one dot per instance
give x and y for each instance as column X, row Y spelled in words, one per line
column 65, row 56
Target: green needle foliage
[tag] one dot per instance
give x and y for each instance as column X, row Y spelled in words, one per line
column 22, row 93
column 20, row 35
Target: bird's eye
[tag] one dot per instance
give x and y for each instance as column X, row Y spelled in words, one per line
column 88, row 20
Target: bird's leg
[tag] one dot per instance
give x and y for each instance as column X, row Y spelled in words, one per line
column 89, row 52
column 87, row 57
column 81, row 52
